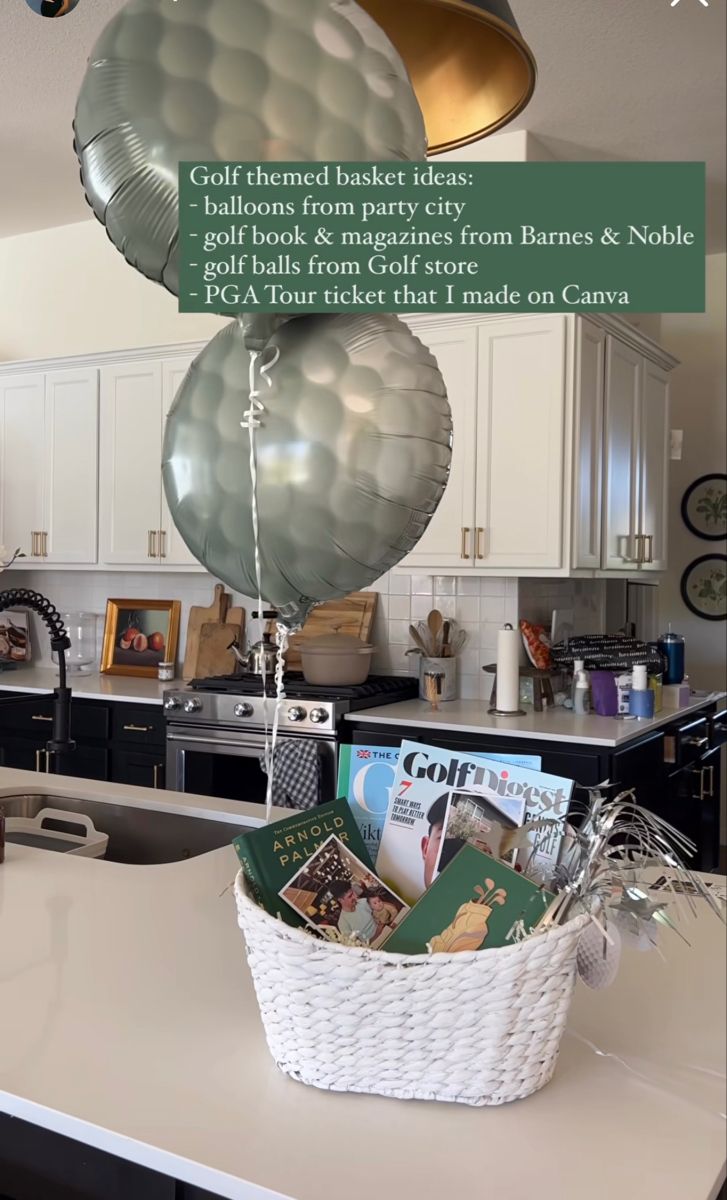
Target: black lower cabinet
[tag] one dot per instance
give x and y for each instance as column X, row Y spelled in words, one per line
column 38, row 1165
column 138, row 768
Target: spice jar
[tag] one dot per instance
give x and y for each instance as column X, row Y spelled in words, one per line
column 165, row 672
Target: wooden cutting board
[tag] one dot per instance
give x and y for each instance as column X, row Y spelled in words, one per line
column 199, row 616
column 213, row 656
column 353, row 614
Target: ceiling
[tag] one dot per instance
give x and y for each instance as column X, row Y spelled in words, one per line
column 618, row 79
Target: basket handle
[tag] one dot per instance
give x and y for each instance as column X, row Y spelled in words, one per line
column 68, row 818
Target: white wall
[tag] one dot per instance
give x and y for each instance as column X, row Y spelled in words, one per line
column 68, row 291
column 700, row 409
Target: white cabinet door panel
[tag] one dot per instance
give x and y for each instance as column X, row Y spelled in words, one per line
column 621, row 457
column 173, row 550
column 520, row 434
column 654, row 466
column 130, row 465
column 590, row 368
column 448, row 544
column 22, row 450
column 71, row 466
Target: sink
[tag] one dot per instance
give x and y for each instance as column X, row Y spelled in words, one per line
column 142, row 836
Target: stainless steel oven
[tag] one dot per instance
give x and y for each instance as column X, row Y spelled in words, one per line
column 226, row 763
column 216, row 730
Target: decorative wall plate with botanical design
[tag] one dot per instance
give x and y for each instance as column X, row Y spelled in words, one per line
column 704, row 587
column 704, row 507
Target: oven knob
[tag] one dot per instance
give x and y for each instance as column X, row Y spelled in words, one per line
column 192, row 706
column 318, row 715
column 243, row 710
column 171, row 704
column 297, row 714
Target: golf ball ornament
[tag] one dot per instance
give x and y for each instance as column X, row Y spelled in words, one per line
column 599, row 959
column 230, row 80
column 353, row 449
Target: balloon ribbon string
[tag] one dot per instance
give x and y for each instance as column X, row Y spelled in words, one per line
column 252, row 422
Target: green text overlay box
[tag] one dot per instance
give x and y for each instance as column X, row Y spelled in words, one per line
column 438, row 237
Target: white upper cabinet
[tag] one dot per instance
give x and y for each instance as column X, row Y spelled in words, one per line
column 654, row 496
column 520, row 416
column 136, row 525
column 71, row 475
column 49, row 465
column 22, row 411
column 560, row 447
column 131, row 455
column 621, row 458
column 448, row 543
column 590, row 360
column 172, row 549
column 636, row 462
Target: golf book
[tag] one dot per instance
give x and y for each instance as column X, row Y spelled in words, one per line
column 477, row 903
column 366, row 776
column 441, row 798
column 272, row 854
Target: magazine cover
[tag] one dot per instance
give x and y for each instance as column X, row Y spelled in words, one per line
column 366, row 777
column 335, row 890
column 477, row 903
column 415, row 836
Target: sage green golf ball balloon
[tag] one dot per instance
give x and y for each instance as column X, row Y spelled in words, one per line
column 352, row 450
column 230, row 80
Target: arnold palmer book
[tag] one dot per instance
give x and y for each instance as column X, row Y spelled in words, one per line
column 366, row 776
column 272, row 854
column 477, row 903
column 433, row 787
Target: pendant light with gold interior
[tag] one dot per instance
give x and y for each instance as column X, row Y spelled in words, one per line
column 471, row 69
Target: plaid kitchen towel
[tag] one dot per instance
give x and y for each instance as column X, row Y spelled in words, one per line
column 296, row 773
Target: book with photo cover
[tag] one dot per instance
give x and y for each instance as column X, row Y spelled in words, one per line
column 270, row 855
column 477, row 903
column 417, row 840
column 339, row 896
column 366, row 776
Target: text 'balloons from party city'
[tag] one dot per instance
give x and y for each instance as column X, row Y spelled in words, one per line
column 353, row 452
column 240, row 80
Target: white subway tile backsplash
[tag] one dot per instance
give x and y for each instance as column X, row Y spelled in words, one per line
column 421, row 606
column 399, row 608
column 399, row 585
column 422, row 585
column 494, row 587
column 468, row 608
column 399, row 632
column 492, row 608
column 447, row 606
column 468, row 587
column 469, row 687
column 445, row 585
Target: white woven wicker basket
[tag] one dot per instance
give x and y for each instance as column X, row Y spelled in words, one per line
column 474, row 1027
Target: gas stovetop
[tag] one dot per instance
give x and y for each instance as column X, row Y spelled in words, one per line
column 237, row 701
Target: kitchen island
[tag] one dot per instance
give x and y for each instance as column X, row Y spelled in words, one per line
column 130, row 1025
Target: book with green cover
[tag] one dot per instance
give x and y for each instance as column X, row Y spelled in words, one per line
column 475, row 904
column 270, row 855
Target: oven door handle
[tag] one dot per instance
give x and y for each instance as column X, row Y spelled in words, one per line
column 209, row 746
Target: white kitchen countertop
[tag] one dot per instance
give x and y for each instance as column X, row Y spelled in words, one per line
column 553, row 725
column 130, row 1023
column 124, row 688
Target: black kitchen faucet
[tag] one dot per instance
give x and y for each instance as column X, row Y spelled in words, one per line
column 60, row 741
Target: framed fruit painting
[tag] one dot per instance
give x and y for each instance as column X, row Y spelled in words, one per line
column 139, row 635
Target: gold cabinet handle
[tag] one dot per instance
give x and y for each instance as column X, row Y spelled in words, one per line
column 37, row 759
column 156, row 769
column 162, row 543
column 480, row 542
column 649, row 537
column 138, row 728
column 38, row 717
column 44, row 545
column 35, row 544
column 465, row 539
column 702, row 793
column 710, row 769
column 640, row 554
column 42, row 756
column 152, row 545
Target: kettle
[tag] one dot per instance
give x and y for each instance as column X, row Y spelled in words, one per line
column 262, row 657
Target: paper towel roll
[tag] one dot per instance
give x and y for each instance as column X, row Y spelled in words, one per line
column 508, row 670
